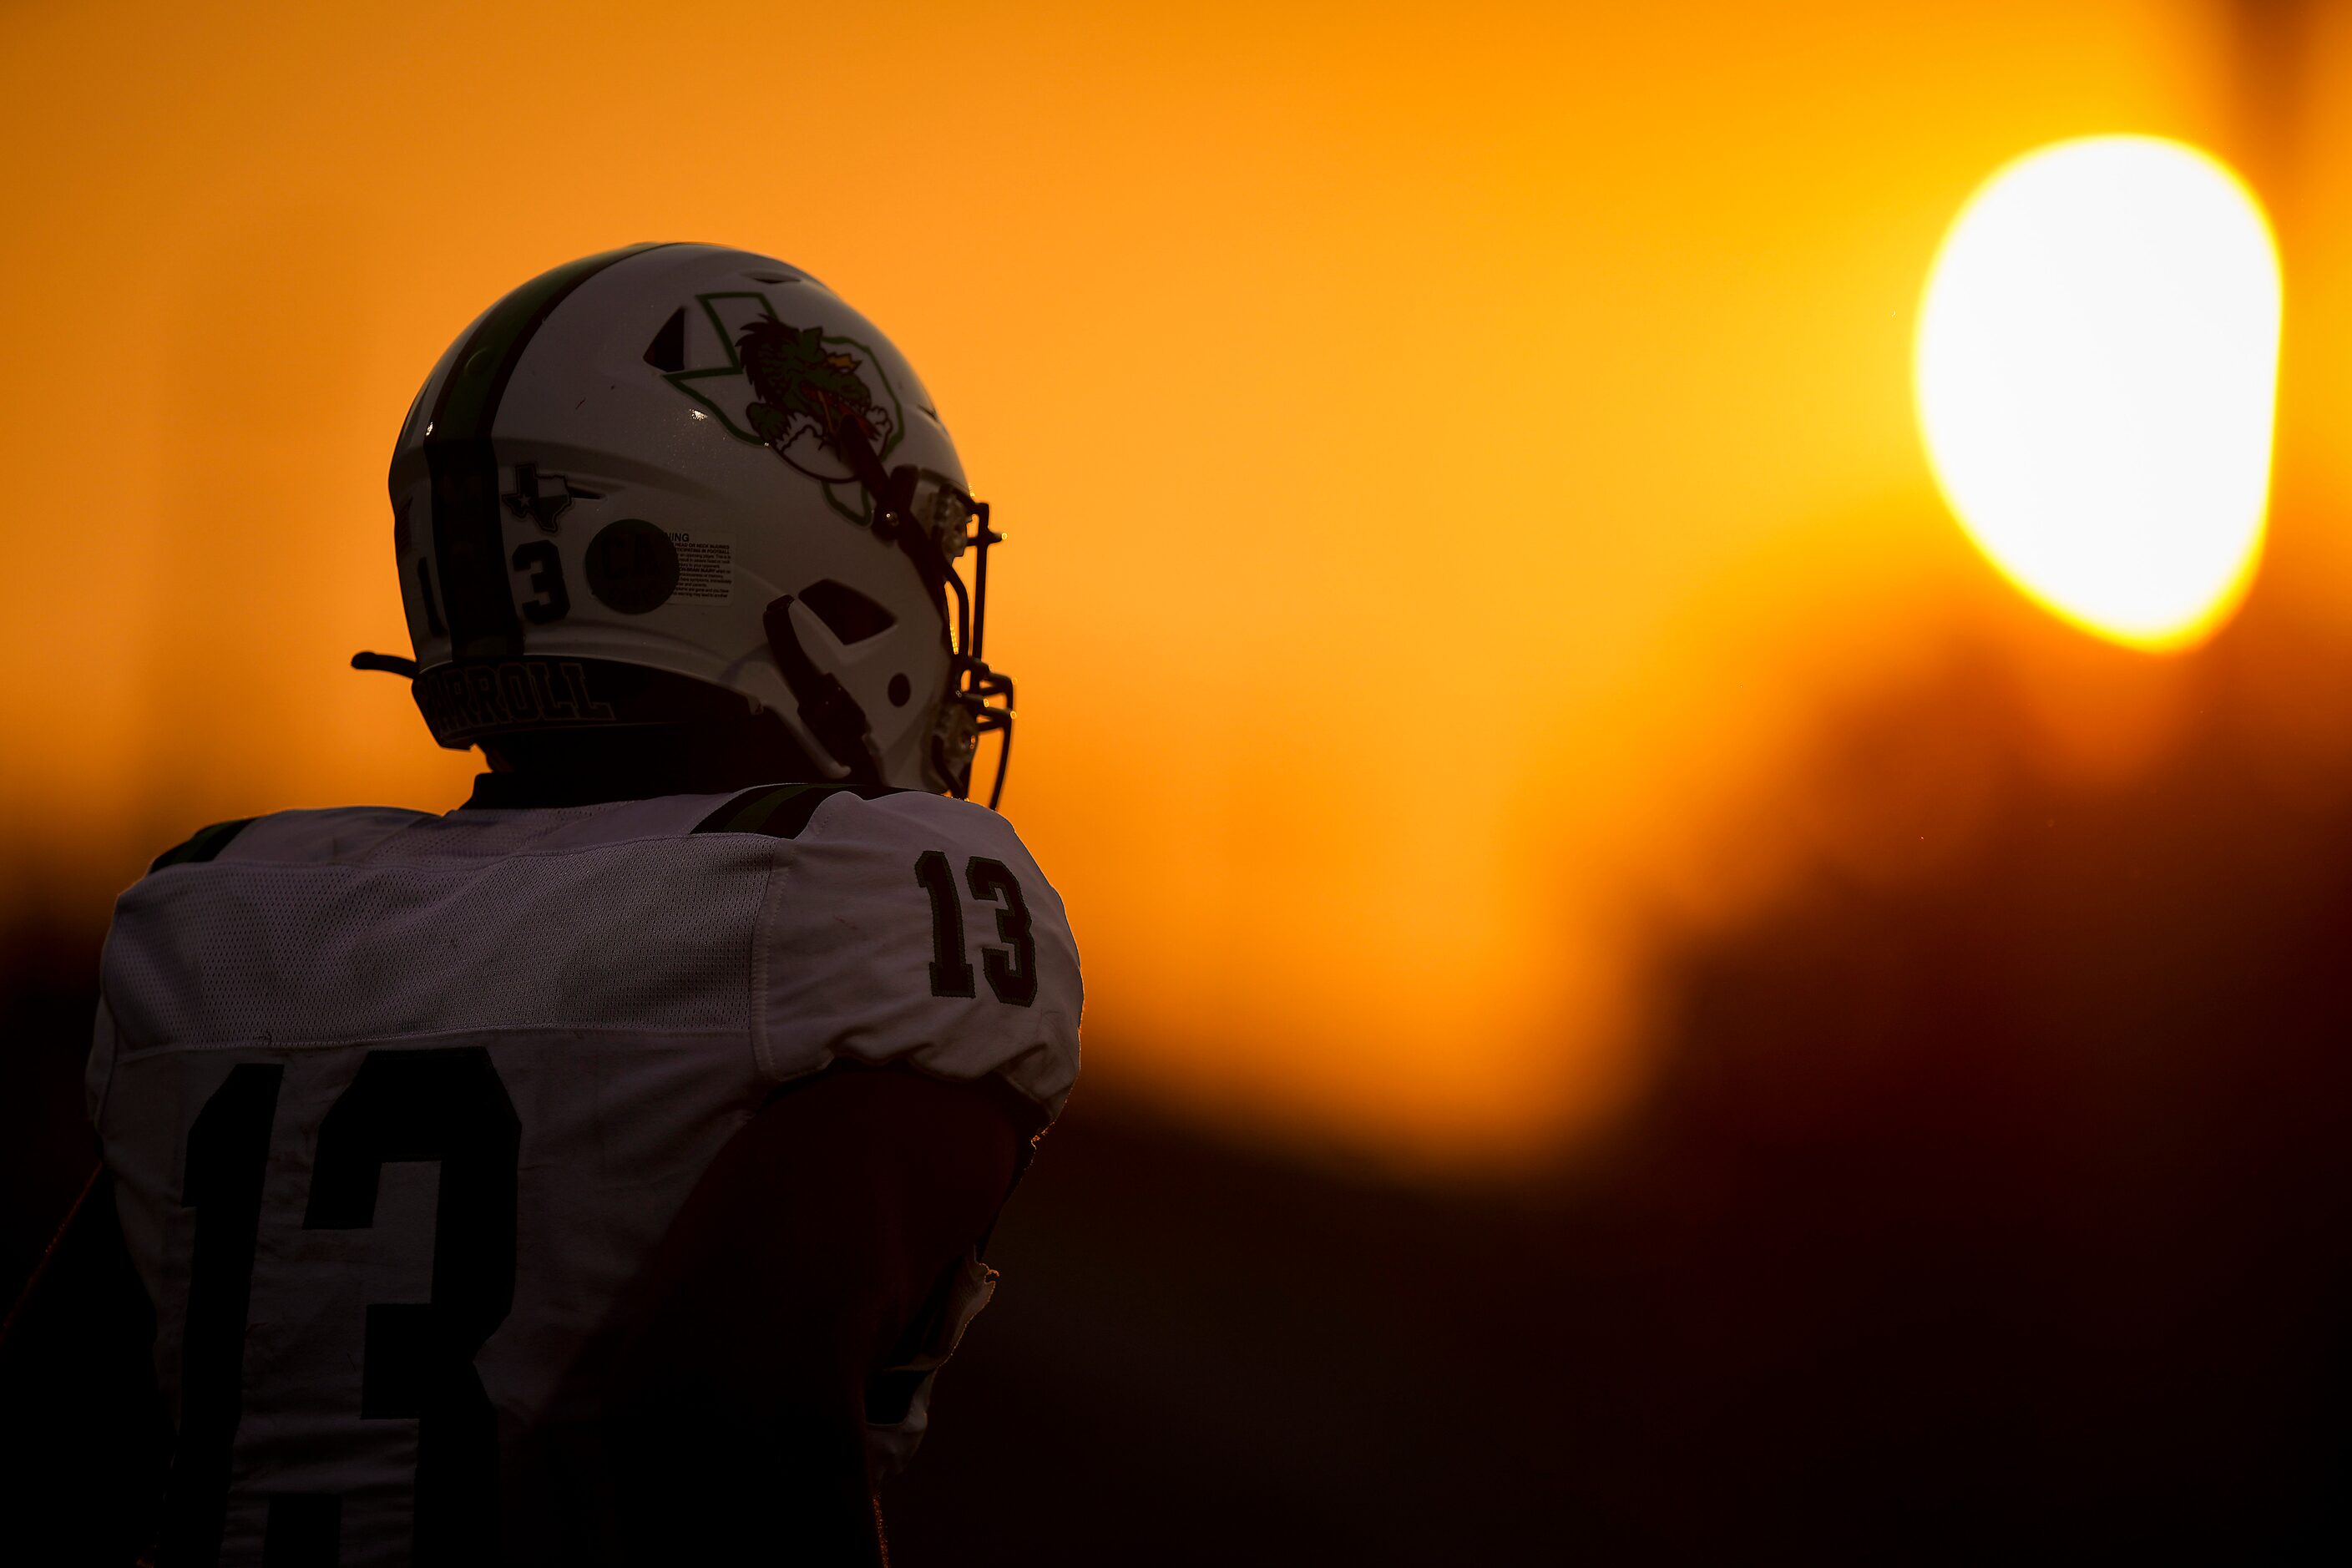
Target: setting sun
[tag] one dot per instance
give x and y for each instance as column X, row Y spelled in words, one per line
column 2096, row 366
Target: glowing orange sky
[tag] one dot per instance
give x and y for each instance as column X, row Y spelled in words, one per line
column 1449, row 451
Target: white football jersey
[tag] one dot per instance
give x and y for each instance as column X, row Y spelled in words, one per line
column 397, row 1105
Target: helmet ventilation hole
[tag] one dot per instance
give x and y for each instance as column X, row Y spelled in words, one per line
column 846, row 613
column 901, row 688
column 668, row 351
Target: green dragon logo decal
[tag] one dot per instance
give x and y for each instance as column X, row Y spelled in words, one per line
column 794, row 390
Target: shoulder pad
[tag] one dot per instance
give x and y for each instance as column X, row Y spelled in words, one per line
column 204, row 845
column 782, row 811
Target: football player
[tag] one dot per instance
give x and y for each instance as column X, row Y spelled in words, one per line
column 599, row 1172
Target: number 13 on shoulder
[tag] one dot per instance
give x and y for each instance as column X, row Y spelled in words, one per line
column 1012, row 970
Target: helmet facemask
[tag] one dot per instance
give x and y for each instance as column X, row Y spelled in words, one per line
column 934, row 520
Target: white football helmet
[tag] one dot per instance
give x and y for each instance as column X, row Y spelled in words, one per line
column 678, row 482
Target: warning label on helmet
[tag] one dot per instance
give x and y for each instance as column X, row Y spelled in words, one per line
column 706, row 564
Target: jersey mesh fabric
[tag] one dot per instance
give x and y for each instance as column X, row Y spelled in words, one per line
column 625, row 936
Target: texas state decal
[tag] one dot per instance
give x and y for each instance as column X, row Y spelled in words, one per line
column 794, row 390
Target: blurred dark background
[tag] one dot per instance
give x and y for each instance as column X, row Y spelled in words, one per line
column 1988, row 1204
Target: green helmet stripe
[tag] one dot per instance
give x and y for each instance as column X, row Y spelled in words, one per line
column 468, row 539
column 469, row 398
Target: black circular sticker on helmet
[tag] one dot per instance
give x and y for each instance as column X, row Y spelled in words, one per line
column 632, row 566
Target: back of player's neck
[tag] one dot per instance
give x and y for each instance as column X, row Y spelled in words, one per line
column 591, row 769
column 528, row 791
